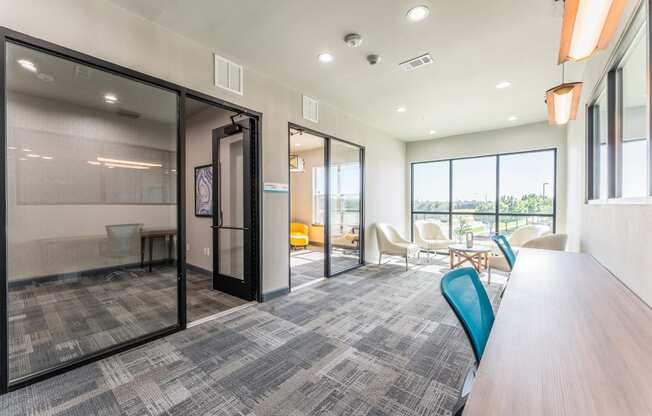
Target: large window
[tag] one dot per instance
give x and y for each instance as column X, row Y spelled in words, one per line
column 488, row 194
column 618, row 150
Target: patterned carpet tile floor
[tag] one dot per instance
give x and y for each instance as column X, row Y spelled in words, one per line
column 51, row 323
column 375, row 341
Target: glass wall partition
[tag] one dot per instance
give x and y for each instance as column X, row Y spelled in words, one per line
column 91, row 210
column 487, row 194
column 345, row 205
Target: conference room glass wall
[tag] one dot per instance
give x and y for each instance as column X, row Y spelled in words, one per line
column 91, row 192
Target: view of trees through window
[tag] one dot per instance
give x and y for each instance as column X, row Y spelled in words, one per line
column 489, row 194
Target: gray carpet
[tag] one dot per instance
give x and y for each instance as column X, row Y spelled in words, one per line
column 375, row 341
column 306, row 265
column 54, row 322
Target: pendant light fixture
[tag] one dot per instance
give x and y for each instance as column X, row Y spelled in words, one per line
column 563, row 101
column 588, row 25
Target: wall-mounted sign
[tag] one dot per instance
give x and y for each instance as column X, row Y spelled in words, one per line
column 276, row 187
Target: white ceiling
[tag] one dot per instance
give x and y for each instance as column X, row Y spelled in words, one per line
column 475, row 44
column 305, row 141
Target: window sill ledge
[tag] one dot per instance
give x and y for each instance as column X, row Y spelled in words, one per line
column 622, row 201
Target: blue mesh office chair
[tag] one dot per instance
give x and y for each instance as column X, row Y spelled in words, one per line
column 498, row 263
column 505, row 248
column 467, row 297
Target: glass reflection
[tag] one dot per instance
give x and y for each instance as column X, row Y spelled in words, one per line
column 91, row 210
column 345, row 205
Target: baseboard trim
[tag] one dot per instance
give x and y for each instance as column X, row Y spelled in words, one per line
column 273, row 294
column 198, row 270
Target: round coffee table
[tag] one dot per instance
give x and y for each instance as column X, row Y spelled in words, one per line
column 477, row 255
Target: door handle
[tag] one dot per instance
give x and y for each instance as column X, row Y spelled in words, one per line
column 226, row 227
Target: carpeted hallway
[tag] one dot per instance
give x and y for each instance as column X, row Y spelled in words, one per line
column 375, row 341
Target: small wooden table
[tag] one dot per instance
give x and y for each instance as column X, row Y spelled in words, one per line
column 477, row 255
column 151, row 234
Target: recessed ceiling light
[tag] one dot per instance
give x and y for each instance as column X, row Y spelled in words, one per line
column 512, row 118
column 325, row 57
column 11, row 147
column 33, row 155
column 110, row 98
column 433, row 131
column 503, row 84
column 28, row 65
column 22, row 158
column 47, row 157
column 26, row 149
column 418, row 13
column 401, row 110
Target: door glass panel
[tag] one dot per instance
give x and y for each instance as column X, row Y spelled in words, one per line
column 231, row 181
column 231, row 202
column 231, row 254
column 345, row 204
column 91, row 198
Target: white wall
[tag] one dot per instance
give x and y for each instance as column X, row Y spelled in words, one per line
column 514, row 139
column 103, row 30
column 301, row 186
column 617, row 235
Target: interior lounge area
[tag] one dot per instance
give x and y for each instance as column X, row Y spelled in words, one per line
column 346, row 208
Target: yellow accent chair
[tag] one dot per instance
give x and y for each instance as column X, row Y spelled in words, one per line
column 299, row 235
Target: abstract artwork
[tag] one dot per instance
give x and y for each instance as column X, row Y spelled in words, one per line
column 204, row 191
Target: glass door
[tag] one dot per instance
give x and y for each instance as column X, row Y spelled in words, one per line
column 345, row 206
column 232, row 190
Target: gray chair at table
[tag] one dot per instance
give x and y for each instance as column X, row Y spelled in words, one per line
column 123, row 244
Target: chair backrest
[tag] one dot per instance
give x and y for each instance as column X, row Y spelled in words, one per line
column 549, row 242
column 522, row 235
column 297, row 227
column 464, row 292
column 386, row 234
column 505, row 248
column 123, row 239
column 428, row 230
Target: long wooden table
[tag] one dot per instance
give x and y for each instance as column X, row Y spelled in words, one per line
column 568, row 339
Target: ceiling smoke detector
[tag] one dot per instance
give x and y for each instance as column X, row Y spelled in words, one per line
column 373, row 59
column 353, row 40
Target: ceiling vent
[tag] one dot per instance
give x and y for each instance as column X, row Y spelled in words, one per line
column 310, row 109
column 228, row 75
column 418, row 62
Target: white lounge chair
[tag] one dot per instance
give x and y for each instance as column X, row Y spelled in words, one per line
column 549, row 242
column 430, row 237
column 392, row 243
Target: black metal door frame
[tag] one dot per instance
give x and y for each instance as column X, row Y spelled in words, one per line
column 245, row 289
column 327, row 221
column 9, row 35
